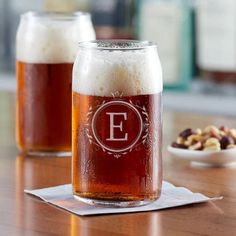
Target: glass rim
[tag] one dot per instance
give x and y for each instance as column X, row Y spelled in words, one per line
column 117, row 45
column 49, row 15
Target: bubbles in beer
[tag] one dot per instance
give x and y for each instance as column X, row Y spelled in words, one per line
column 111, row 70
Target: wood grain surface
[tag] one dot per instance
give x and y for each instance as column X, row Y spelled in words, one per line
column 21, row 214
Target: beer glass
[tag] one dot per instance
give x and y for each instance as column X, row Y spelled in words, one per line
column 46, row 47
column 117, row 123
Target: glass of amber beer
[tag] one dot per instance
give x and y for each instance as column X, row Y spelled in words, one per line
column 117, row 123
column 46, row 48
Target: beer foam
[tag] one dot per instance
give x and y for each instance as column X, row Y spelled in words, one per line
column 126, row 72
column 51, row 39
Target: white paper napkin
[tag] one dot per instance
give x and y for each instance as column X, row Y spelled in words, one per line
column 171, row 196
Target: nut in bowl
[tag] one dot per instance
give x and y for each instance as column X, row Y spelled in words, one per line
column 211, row 146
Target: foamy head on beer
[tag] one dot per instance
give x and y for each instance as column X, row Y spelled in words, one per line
column 51, row 37
column 103, row 68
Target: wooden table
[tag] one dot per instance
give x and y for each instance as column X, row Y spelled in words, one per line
column 21, row 214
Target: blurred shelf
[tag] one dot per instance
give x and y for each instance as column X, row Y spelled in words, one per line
column 202, row 97
column 200, row 103
column 7, row 82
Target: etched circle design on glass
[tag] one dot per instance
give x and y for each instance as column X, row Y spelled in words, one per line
column 110, row 126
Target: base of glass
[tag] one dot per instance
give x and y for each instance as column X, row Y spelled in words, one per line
column 113, row 204
column 48, row 154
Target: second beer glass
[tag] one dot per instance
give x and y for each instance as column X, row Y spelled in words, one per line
column 116, row 123
column 45, row 51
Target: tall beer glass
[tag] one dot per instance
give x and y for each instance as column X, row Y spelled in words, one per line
column 46, row 47
column 116, row 123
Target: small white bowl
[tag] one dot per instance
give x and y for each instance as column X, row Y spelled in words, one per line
column 207, row 158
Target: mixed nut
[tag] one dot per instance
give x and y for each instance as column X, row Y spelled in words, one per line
column 209, row 139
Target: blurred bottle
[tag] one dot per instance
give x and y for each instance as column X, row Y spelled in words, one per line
column 216, row 40
column 113, row 19
column 83, row 5
column 169, row 24
column 61, row 5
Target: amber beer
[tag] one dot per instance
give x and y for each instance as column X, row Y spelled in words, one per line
column 46, row 49
column 116, row 123
column 118, row 176
column 44, row 106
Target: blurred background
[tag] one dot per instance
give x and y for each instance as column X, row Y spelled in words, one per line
column 196, row 43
